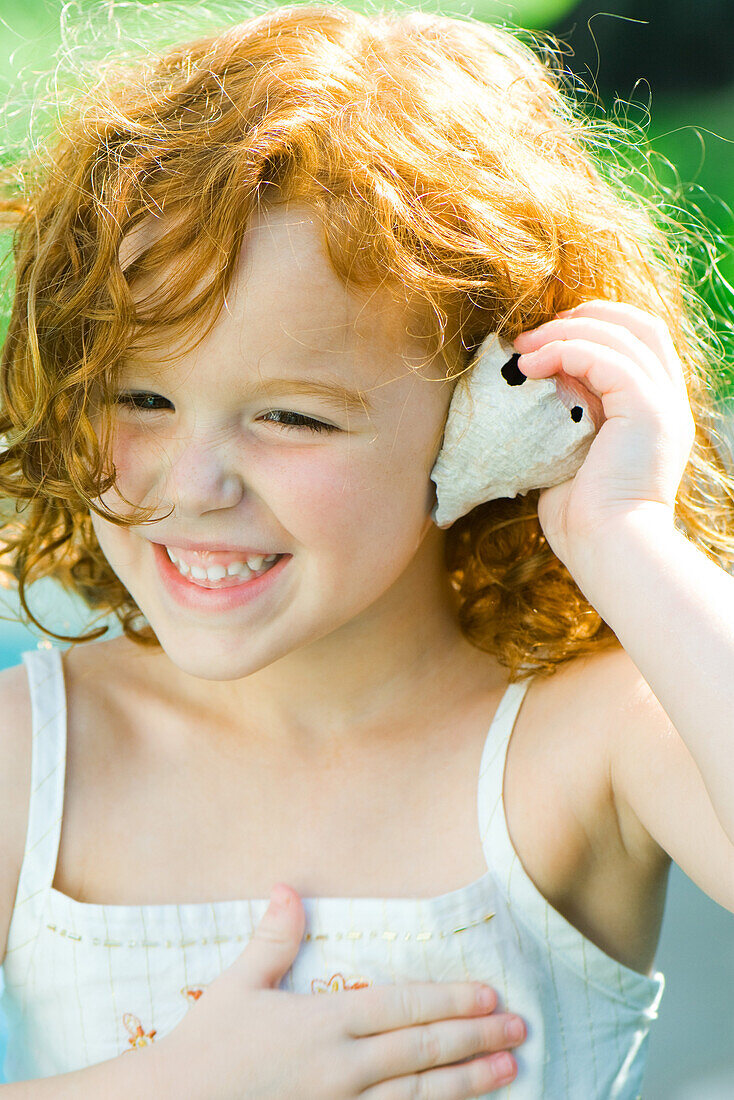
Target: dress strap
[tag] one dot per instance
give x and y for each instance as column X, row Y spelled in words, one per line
column 555, row 939
column 48, row 769
column 492, row 766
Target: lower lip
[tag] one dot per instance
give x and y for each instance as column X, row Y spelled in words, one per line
column 195, row 598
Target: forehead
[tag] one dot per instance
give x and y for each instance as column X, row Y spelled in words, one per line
column 286, row 287
column 286, row 307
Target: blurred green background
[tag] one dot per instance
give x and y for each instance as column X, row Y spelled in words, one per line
column 666, row 67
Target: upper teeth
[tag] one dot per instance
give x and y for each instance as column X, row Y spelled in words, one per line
column 218, row 572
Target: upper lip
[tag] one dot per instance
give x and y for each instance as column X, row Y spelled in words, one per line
column 177, row 543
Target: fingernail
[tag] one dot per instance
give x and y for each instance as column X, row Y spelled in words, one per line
column 503, row 1065
column 514, row 1030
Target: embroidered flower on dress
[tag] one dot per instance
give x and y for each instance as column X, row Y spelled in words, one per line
column 190, row 993
column 336, row 983
column 138, row 1037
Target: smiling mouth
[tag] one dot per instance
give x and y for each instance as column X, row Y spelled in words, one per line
column 221, row 576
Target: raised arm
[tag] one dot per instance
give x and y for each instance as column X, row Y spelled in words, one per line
column 670, row 704
column 668, row 603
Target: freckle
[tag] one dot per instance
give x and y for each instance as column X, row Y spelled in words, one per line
column 576, row 413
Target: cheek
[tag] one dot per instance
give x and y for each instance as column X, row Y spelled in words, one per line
column 111, row 539
column 316, row 495
column 130, row 455
column 133, row 455
column 366, row 507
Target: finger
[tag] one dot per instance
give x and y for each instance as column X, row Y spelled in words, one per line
column 473, row 1079
column 387, row 1007
column 603, row 332
column 414, row 1049
column 622, row 389
column 648, row 327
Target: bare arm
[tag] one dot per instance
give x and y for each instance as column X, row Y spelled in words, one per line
column 15, row 785
column 672, row 748
column 139, row 1073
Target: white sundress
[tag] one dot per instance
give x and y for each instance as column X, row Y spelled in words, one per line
column 86, row 982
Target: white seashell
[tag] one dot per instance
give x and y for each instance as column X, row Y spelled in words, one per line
column 506, row 434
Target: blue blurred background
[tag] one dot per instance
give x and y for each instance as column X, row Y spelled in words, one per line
column 667, row 68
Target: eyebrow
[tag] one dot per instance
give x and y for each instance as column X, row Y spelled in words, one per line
column 331, row 393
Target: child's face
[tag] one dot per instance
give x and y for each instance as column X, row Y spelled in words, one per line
column 350, row 506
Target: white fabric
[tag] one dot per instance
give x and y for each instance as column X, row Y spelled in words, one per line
column 86, row 982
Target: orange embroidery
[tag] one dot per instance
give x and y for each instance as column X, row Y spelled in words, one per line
column 190, row 993
column 138, row 1037
column 336, row 983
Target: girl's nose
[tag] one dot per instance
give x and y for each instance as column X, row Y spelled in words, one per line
column 202, row 477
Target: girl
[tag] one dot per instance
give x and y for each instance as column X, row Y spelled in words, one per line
column 248, row 273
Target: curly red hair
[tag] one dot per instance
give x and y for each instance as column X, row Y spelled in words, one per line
column 447, row 164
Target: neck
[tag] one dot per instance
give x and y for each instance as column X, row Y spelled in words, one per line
column 382, row 674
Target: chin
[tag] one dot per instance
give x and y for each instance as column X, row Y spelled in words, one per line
column 206, row 663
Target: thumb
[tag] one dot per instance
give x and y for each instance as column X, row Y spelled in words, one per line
column 275, row 940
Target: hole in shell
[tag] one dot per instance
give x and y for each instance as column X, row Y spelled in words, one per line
column 511, row 373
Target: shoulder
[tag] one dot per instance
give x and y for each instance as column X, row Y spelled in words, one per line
column 616, row 707
column 558, row 794
column 580, row 722
column 111, row 692
column 16, row 729
column 594, row 695
column 663, row 807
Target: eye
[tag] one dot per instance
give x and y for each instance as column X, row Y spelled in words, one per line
column 302, row 421
column 143, row 401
